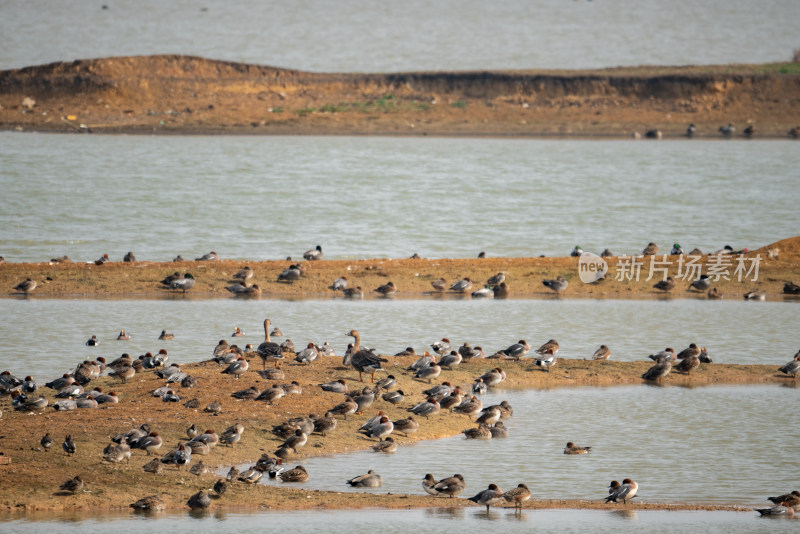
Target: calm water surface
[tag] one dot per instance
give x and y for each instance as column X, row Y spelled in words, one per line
column 271, row 197
column 401, row 521
column 45, row 338
column 365, row 35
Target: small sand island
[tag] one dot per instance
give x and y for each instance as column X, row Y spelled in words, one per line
column 184, row 95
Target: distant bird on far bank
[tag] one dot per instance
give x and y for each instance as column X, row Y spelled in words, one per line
column 313, row 254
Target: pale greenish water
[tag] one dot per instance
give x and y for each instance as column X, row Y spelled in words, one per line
column 364, row 35
column 271, row 197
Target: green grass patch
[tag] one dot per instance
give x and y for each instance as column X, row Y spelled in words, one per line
column 782, row 68
column 460, row 104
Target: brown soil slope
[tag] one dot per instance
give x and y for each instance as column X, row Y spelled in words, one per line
column 182, row 94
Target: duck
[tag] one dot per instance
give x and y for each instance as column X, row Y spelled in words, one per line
column 650, row 250
column 489, row 415
column 691, row 130
column 325, row 424
column 488, row 497
column 499, row 430
column 451, row 486
column 183, row 456
column 298, row 474
column 756, row 294
column 792, row 368
column 313, row 254
column 387, row 289
column 337, row 386
column 470, row 407
column 689, row 363
column 791, row 499
column 653, row 134
column 307, row 355
column 165, row 336
column 339, row 284
column 72, row 485
column 665, row 285
column 102, row 259
column 576, row 252
column 461, row 286
column 348, row 407
column 559, row 284
column 387, row 446
column 676, row 250
column 244, row 274
column 428, row 483
column 26, row 286
column 500, row 291
column 606, row 254
column 779, row 510
column 790, row 288
column 484, row 292
column 117, row 452
column 122, row 336
column 407, row 426
column 290, row 274
column 551, row 347
column 167, row 280
column 440, row 284
column 428, row 372
column 123, row 372
column 369, row 480
column 701, row 284
column 268, row 350
column 184, row 284
column 517, row 350
column 270, row 395
column 363, row 360
column 450, row 360
column 714, row 293
column 658, row 371
column 232, row 435
column 442, row 346
column 427, row 407
column 481, row 432
column 497, row 279
column 381, row 429
column 154, row 466
column 150, row 443
column 46, row 442
column 241, row 288
column 518, row 495
column 353, row 292
column 571, row 448
column 546, row 363
column 493, row 377
column 92, row 341
column 153, row 503
column 727, row 131
column 603, row 353
column 393, row 397
column 625, row 492
column 299, row 439
column 199, row 501
column 211, row 256
column 691, row 351
column 68, row 445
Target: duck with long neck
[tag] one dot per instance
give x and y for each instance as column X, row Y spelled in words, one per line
column 364, row 361
column 269, row 350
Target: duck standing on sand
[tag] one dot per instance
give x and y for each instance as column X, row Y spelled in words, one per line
column 792, row 368
column 489, row 496
column 73, row 485
column 387, row 289
column 243, row 274
column 439, row 284
column 518, row 495
column 184, row 284
column 558, row 285
column 211, row 256
column 339, row 284
column 665, row 285
column 701, row 284
column 625, row 492
column 290, row 274
column 603, row 353
column 461, row 286
column 199, row 501
column 26, row 286
column 658, row 371
column 451, row 486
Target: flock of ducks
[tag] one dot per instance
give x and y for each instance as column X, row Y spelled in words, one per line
column 727, row 131
column 295, row 432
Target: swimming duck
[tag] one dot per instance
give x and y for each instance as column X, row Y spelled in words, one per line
column 653, row 134
column 387, row 446
column 73, row 485
column 603, row 353
column 756, row 294
column 269, row 350
column 313, row 254
column 370, row 480
column 427, row 408
column 153, row 503
column 500, row 291
column 451, row 486
column 363, row 360
column 298, row 474
column 439, row 284
column 558, row 285
column 701, row 284
column 26, row 286
column 184, row 284
column 122, row 336
column 387, row 289
column 481, row 432
column 243, row 274
column 199, row 501
column 571, row 448
column 339, row 284
column 793, row 367
column 779, row 510
column 665, row 285
column 290, row 274
column 658, row 371
column 517, row 350
column 625, row 492
column 650, row 250
column 92, row 341
column 461, row 286
column 211, row 256
column 489, row 496
column 517, row 495
column 676, row 250
column 791, row 499
column 164, row 336
column 499, row 431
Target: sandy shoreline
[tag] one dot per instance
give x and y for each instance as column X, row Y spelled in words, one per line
column 412, row 277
